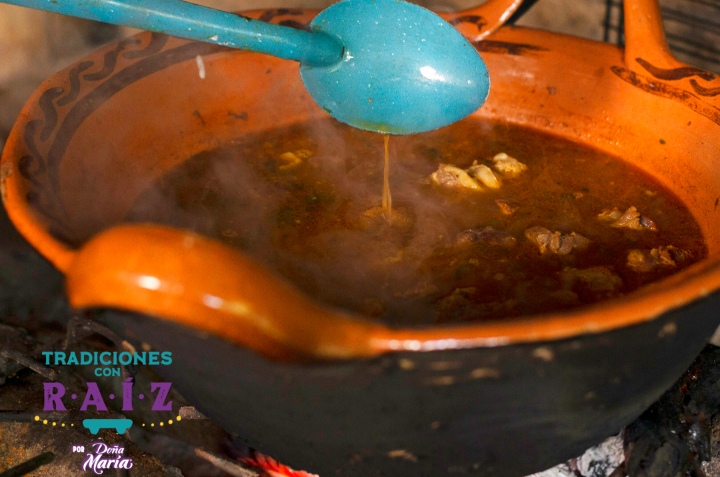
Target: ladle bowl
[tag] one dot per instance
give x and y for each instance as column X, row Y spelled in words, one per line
column 332, row 393
column 404, row 69
column 380, row 65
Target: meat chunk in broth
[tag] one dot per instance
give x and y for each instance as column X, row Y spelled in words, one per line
column 508, row 165
column 453, row 177
column 608, row 215
column 631, row 219
column 556, row 242
column 485, row 175
column 645, row 261
column 477, row 175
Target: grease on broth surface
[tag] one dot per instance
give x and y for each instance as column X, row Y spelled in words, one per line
column 573, row 228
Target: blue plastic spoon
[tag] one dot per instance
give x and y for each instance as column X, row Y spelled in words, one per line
column 381, row 65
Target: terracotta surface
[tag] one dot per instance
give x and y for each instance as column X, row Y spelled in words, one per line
column 93, row 136
column 492, row 399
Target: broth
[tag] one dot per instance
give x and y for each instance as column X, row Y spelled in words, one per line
column 306, row 201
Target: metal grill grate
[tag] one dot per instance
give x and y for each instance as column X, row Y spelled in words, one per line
column 692, row 28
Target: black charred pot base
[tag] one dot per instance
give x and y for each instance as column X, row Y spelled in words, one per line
column 503, row 411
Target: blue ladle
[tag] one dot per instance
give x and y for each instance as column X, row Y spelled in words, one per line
column 381, row 65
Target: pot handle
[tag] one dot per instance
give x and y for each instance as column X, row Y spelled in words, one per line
column 196, row 281
column 645, row 42
column 478, row 22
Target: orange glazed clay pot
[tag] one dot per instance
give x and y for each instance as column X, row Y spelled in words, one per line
column 328, row 391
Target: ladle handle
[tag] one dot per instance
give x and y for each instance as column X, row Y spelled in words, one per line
column 645, row 37
column 179, row 276
column 478, row 22
column 196, row 22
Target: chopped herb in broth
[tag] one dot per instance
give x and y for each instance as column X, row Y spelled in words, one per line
column 487, row 222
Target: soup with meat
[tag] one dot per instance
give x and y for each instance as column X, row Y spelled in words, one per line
column 488, row 221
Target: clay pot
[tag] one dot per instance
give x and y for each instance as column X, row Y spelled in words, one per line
column 327, row 391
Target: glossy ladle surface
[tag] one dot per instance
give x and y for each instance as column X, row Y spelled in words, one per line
column 381, row 65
